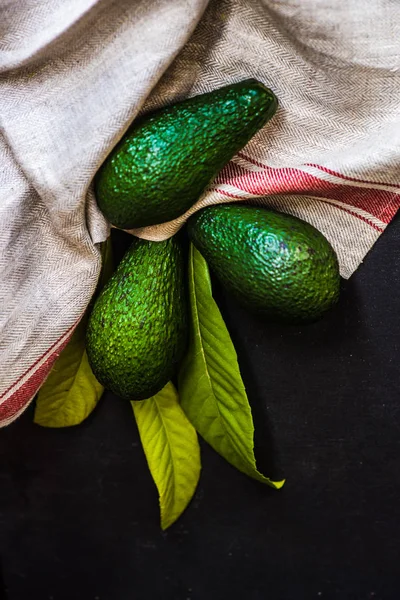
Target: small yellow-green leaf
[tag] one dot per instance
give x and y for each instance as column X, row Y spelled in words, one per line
column 172, row 451
column 211, row 389
column 71, row 391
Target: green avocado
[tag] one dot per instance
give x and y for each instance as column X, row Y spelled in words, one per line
column 137, row 330
column 166, row 159
column 274, row 264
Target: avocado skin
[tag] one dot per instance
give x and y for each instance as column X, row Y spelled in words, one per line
column 274, row 264
column 166, row 159
column 137, row 330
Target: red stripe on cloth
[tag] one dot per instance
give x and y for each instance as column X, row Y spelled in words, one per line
column 361, row 217
column 14, row 404
column 40, row 358
column 347, row 178
column 347, row 210
column 381, row 204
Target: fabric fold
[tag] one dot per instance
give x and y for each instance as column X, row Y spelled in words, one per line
column 71, row 87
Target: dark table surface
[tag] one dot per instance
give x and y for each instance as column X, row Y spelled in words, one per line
column 79, row 512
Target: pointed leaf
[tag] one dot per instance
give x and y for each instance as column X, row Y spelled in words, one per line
column 172, row 451
column 71, row 391
column 211, row 389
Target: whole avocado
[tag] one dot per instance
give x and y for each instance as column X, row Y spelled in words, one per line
column 137, row 330
column 166, row 159
column 274, row 264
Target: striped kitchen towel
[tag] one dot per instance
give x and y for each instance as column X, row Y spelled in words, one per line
column 73, row 76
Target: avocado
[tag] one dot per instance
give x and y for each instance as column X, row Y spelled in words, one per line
column 166, row 159
column 274, row 264
column 137, row 330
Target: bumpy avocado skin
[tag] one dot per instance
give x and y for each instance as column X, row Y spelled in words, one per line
column 137, row 330
column 274, row 264
column 166, row 160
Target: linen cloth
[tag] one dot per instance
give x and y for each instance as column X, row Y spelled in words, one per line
column 75, row 73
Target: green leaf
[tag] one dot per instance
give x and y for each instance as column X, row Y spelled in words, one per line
column 107, row 261
column 211, row 389
column 71, row 391
column 172, row 451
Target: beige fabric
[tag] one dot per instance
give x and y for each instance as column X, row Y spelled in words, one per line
column 335, row 69
column 73, row 75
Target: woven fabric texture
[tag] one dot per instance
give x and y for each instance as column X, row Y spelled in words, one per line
column 75, row 73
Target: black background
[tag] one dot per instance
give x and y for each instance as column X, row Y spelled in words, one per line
column 79, row 512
